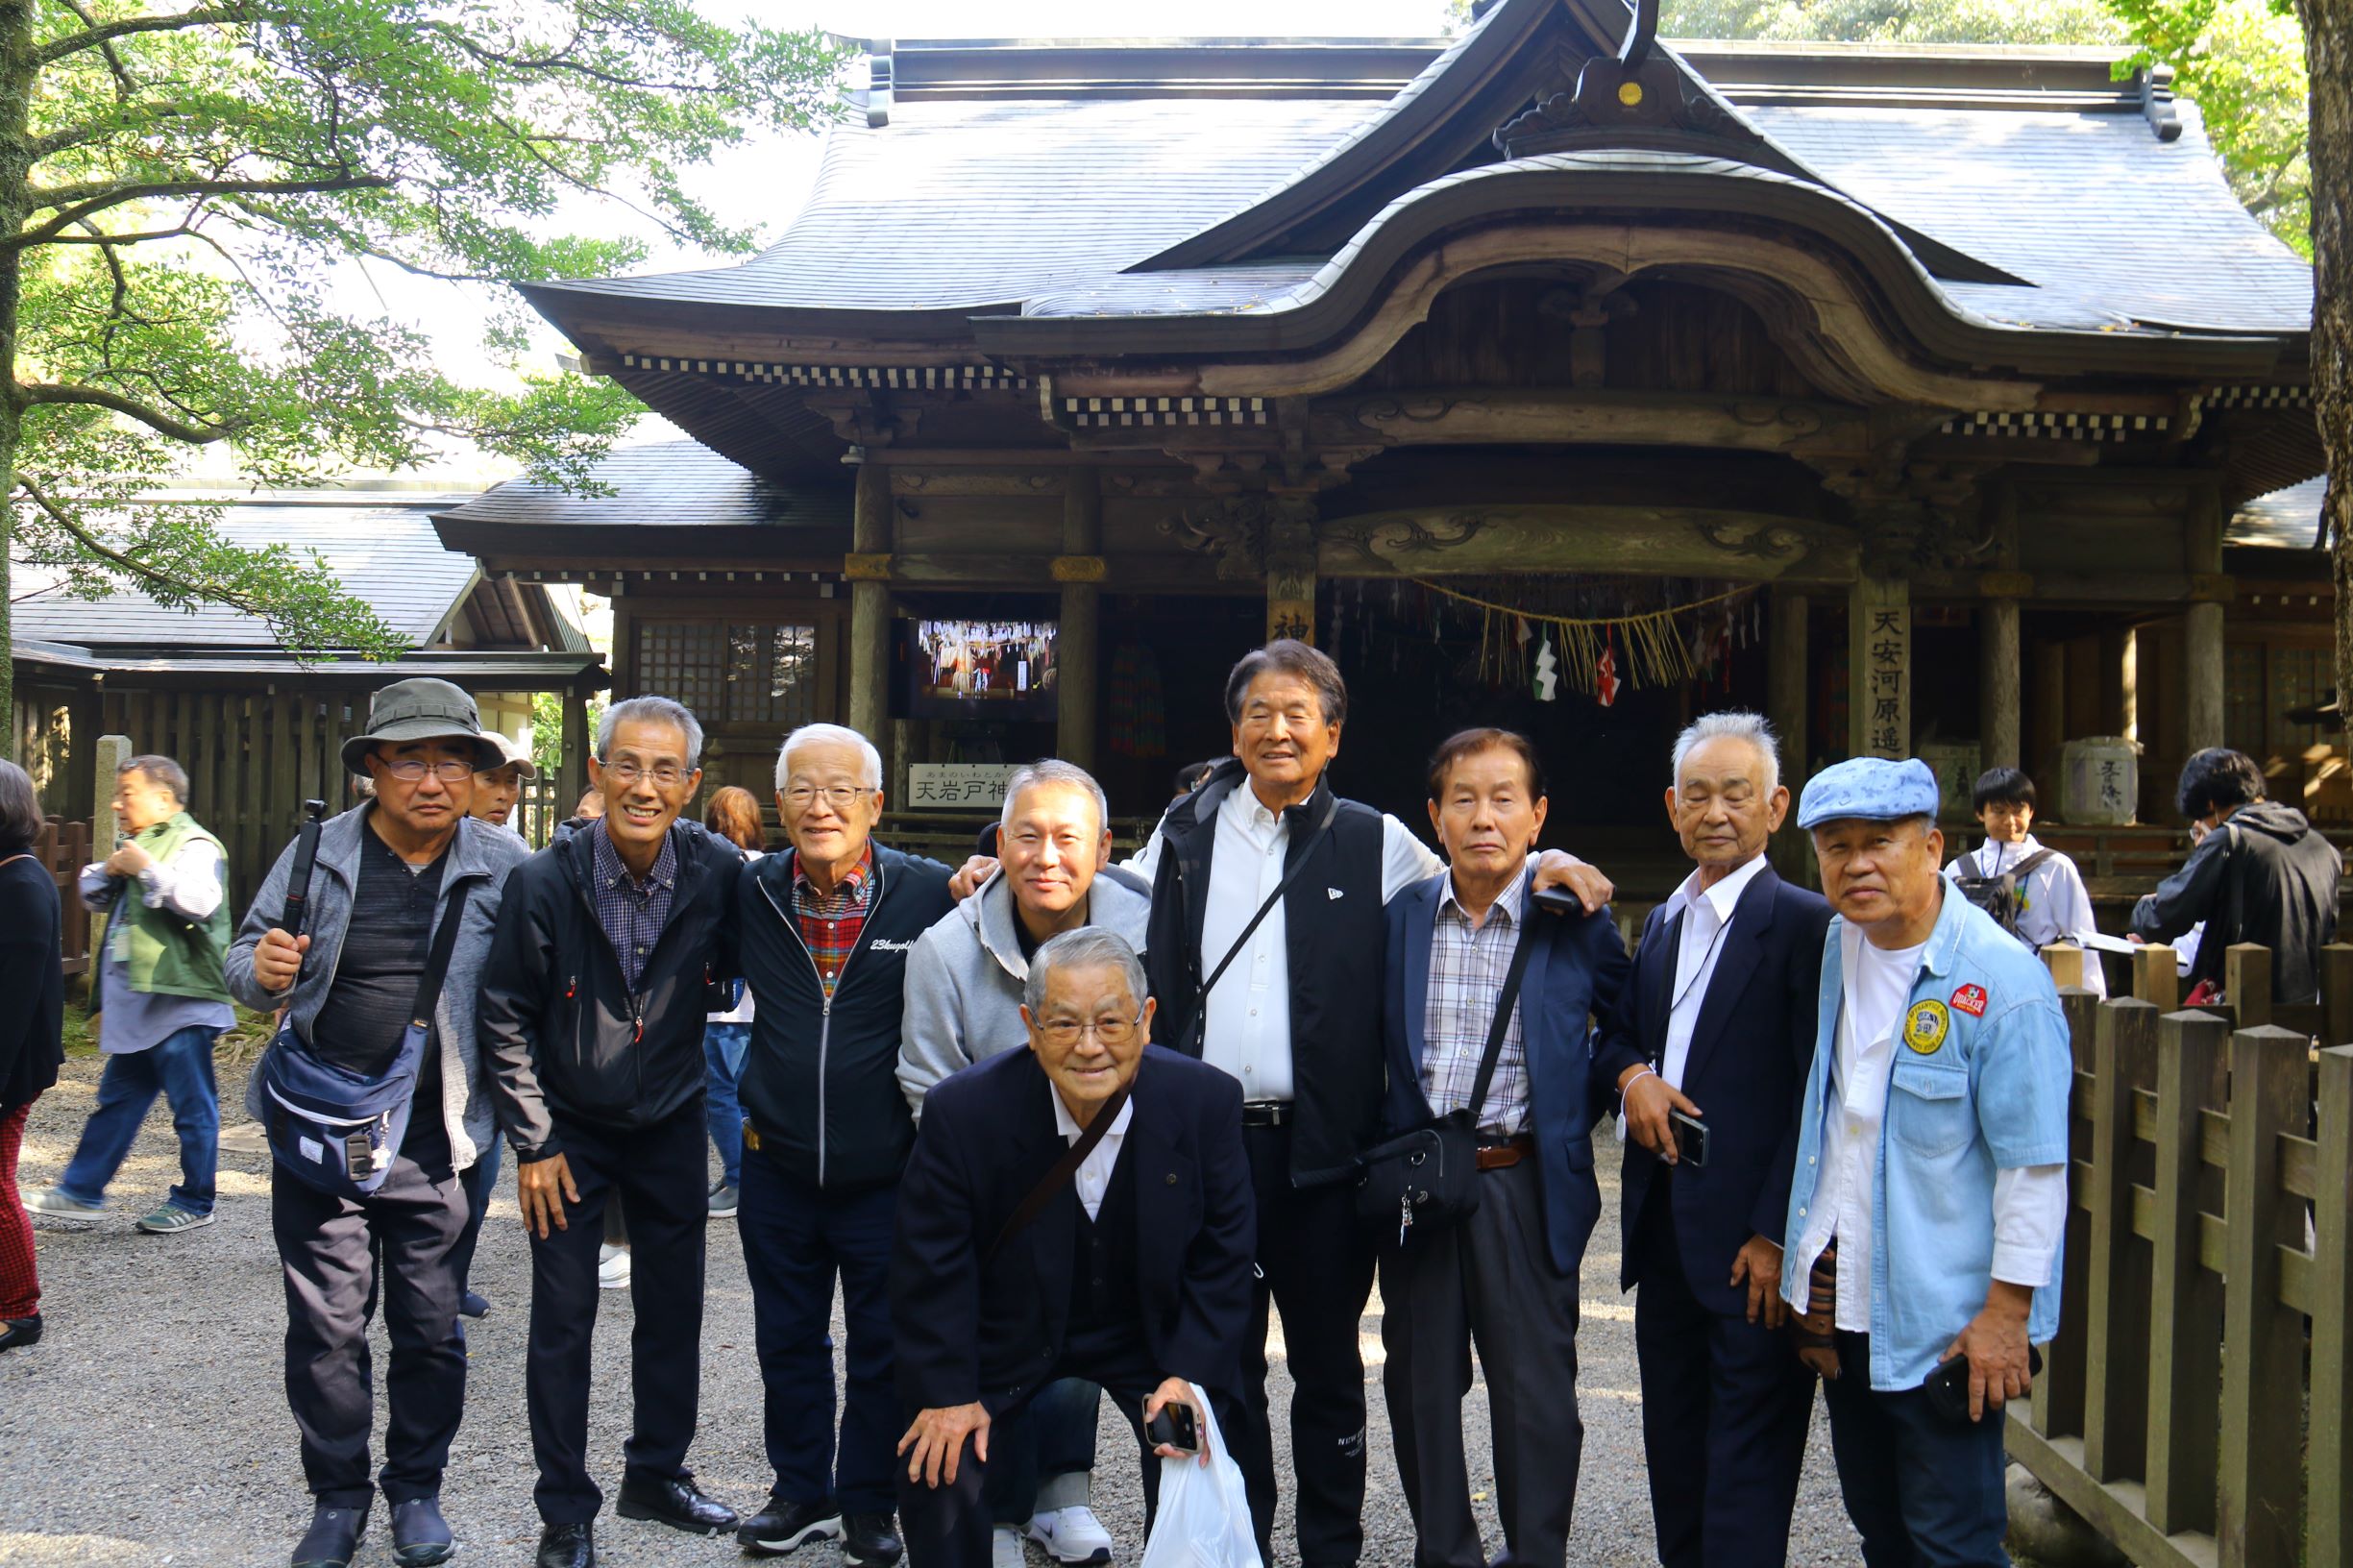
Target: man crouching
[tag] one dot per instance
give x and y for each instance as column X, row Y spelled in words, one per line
column 1014, row 1270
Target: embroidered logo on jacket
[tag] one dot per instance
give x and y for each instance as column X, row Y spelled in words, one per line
column 1970, row 999
column 1925, row 1026
column 881, row 946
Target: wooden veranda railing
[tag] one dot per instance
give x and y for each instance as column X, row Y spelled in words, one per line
column 2193, row 1406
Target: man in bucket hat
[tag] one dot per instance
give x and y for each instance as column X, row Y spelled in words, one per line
column 1925, row 1215
column 388, row 873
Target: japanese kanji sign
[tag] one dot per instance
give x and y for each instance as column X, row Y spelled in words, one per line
column 1880, row 649
column 957, row 786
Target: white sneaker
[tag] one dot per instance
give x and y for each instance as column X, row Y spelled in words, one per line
column 1005, row 1549
column 612, row 1267
column 1072, row 1536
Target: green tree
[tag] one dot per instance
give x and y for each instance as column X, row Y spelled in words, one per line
column 183, row 184
column 1894, row 21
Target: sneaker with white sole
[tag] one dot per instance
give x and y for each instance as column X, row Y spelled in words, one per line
column 1005, row 1550
column 612, row 1267
column 171, row 1219
column 1071, row 1534
column 57, row 1206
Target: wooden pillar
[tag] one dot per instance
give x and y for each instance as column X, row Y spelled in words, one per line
column 2119, row 682
column 1998, row 697
column 1880, row 668
column 1080, row 569
column 867, row 568
column 2050, row 713
column 2201, row 668
column 1786, row 679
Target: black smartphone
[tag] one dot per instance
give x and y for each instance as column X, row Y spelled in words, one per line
column 1559, row 901
column 1948, row 1387
column 1690, row 1139
column 1174, row 1429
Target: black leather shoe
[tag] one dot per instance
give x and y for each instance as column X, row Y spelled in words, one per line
column 677, row 1502
column 867, row 1540
column 782, row 1526
column 419, row 1536
column 567, row 1546
column 16, row 1332
column 332, row 1539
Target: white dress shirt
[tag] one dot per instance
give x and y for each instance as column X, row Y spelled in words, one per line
column 1093, row 1177
column 1707, row 925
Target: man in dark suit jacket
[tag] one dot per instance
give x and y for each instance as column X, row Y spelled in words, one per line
column 1504, row 1275
column 1133, row 1273
column 1720, row 1013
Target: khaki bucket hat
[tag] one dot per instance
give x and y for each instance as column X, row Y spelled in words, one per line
column 422, row 709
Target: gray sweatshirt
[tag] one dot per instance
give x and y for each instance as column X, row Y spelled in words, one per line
column 481, row 855
column 965, row 978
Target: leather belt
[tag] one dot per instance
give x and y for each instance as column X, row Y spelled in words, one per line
column 1267, row 1112
column 1507, row 1154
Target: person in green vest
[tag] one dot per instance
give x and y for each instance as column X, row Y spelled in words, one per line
column 160, row 996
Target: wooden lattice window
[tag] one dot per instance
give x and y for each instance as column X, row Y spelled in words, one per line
column 762, row 674
column 686, row 660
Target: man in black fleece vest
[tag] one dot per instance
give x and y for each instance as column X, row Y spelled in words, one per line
column 824, row 932
column 1296, row 1018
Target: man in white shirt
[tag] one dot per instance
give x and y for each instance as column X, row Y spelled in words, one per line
column 2046, row 898
column 1930, row 1180
column 1717, row 1026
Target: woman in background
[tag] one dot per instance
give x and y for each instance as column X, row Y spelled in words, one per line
column 31, row 1036
column 734, row 814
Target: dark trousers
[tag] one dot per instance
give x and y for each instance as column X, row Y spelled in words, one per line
column 330, row 1247
column 1048, row 1438
column 1488, row 1279
column 1924, row 1491
column 1315, row 1266
column 481, row 1179
column 1725, row 1407
column 949, row 1526
column 659, row 1171
column 798, row 1239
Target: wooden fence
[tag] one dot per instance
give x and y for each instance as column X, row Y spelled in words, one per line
column 63, row 848
column 2193, row 1406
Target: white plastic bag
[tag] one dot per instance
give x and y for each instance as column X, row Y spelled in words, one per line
column 1203, row 1518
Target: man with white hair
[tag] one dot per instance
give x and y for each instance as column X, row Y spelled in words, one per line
column 965, row 982
column 824, row 932
column 1709, row 1046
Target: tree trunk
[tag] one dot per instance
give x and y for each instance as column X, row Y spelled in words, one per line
column 2328, row 53
column 18, row 76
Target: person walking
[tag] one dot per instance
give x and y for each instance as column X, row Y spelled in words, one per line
column 1717, row 1028
column 161, row 997
column 609, row 944
column 32, row 1037
column 734, row 814
column 390, row 876
column 1475, row 973
column 825, row 931
column 964, row 983
column 1933, row 1196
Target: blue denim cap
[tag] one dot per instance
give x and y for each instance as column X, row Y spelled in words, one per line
column 1872, row 788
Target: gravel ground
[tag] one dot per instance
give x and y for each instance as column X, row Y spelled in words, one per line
column 148, row 1425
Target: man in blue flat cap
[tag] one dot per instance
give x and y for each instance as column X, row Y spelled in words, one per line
column 1924, row 1219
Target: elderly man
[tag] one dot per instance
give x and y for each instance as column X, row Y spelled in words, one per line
column 1925, row 1217
column 2260, row 873
column 389, row 874
column 593, row 1001
column 495, row 790
column 1503, row 1275
column 1266, row 962
column 161, row 996
column 964, row 1004
column 825, row 931
column 1078, row 1210
column 1718, row 1027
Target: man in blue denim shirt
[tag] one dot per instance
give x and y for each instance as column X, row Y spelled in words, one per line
column 1931, row 1174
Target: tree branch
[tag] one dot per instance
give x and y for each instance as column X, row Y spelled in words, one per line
column 79, row 202
column 106, row 32
column 33, row 393
column 145, row 572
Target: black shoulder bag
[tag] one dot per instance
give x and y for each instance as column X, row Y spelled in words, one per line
column 1201, row 998
column 1429, row 1177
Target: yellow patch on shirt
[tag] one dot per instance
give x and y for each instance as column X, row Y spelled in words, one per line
column 1925, row 1026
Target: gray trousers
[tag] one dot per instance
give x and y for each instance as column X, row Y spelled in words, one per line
column 1487, row 1281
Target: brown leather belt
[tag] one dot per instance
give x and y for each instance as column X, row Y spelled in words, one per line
column 1507, row 1154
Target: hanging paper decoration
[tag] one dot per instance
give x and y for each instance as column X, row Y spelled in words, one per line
column 1548, row 672
column 1605, row 672
column 1662, row 646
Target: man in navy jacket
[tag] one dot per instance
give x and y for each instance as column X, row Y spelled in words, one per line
column 1718, row 1025
column 1504, row 1275
column 1131, row 1271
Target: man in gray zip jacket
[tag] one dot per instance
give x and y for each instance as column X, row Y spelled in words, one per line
column 965, row 981
column 387, row 873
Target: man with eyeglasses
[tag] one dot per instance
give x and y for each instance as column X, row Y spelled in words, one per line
column 388, row 873
column 825, row 933
column 1130, row 1270
column 610, row 942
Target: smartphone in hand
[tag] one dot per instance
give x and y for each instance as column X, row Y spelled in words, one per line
column 1174, row 1429
column 1690, row 1139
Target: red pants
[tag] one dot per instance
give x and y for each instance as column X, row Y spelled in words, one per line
column 21, row 1288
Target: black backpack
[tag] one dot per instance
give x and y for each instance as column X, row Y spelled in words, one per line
column 1998, row 894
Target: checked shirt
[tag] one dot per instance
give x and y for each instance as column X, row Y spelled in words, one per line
column 1467, row 976
column 632, row 913
column 831, row 922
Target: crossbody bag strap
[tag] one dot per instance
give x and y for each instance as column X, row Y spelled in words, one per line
column 1201, row 998
column 2032, row 864
column 437, row 961
column 1504, row 1001
column 1064, row 1172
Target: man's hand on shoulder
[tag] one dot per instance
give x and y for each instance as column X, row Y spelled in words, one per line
column 937, row 1442
column 1559, row 868
column 969, row 877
